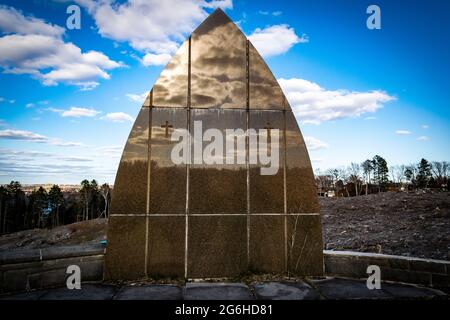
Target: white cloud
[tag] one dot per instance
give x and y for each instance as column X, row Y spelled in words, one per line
column 313, row 104
column 274, row 40
column 152, row 26
column 29, row 105
column 118, row 117
column 370, row 118
column 137, row 97
column 277, row 13
column 78, row 112
column 22, row 135
column 425, row 126
column 403, row 132
column 151, row 59
column 423, row 138
column 37, row 49
column 314, row 143
column 13, row 21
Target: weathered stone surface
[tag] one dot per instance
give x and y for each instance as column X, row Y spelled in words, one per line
column 267, row 243
column 304, row 245
column 29, row 295
column 325, row 289
column 125, row 254
column 217, row 246
column 400, row 291
column 87, row 292
column 150, row 292
column 217, row 291
column 166, row 244
column 285, row 291
column 422, row 278
column 227, row 89
column 348, row 289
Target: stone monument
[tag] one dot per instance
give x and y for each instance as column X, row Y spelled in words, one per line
column 210, row 215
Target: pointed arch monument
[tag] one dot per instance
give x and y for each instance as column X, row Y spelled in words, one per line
column 200, row 220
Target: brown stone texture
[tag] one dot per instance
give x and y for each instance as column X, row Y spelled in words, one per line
column 265, row 92
column 304, row 244
column 300, row 184
column 171, row 88
column 218, row 64
column 217, row 246
column 217, row 188
column 130, row 186
column 239, row 217
column 125, row 254
column 166, row 244
column 267, row 191
column 167, row 180
column 267, row 244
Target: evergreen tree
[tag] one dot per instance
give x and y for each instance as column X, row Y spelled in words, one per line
column 380, row 171
column 424, row 173
column 56, row 200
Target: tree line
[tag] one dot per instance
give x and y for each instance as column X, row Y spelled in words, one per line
column 47, row 209
column 374, row 175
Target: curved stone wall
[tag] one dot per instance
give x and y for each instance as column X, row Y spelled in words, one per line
column 22, row 270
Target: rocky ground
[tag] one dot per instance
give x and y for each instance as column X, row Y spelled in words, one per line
column 411, row 224
column 91, row 231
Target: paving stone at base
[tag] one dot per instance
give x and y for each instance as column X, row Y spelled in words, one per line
column 87, row 292
column 403, row 291
column 150, row 292
column 335, row 289
column 217, row 291
column 30, row 295
column 285, row 291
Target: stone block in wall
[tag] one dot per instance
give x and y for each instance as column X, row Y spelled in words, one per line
column 440, row 280
column 406, row 276
column 431, row 266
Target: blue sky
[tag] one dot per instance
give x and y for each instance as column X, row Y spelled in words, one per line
column 68, row 97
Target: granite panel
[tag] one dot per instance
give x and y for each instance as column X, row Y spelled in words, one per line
column 265, row 92
column 266, row 190
column 125, row 254
column 301, row 191
column 130, row 186
column 218, row 64
column 217, row 246
column 166, row 244
column 167, row 178
column 267, row 244
column 171, row 88
column 215, row 186
column 304, row 242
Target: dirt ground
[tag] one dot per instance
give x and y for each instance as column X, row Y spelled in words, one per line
column 91, row 231
column 410, row 224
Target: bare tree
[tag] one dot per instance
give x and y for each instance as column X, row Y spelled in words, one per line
column 355, row 170
column 105, row 191
column 367, row 167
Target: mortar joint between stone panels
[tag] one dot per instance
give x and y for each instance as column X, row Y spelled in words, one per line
column 247, row 147
column 149, row 155
column 188, row 128
column 285, row 191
